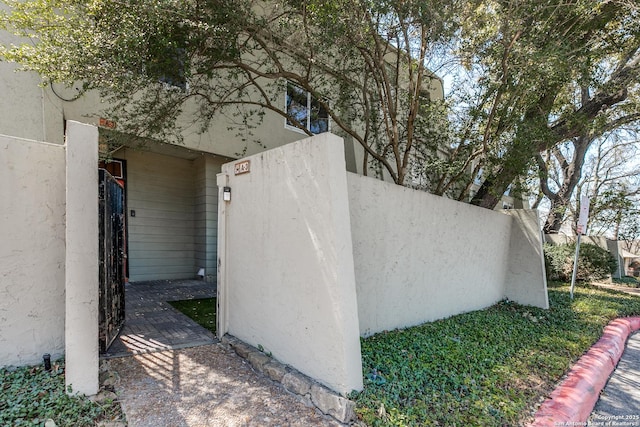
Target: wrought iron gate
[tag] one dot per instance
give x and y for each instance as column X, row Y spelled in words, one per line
column 111, row 209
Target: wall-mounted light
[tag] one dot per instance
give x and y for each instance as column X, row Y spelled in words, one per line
column 226, row 194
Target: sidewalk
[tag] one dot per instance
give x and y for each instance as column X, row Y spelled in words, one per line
column 619, row 403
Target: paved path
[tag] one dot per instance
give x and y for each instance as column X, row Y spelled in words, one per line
column 619, row 403
column 151, row 324
column 179, row 375
column 204, row 387
column 621, row 288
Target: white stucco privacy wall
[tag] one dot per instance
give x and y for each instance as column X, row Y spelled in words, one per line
column 526, row 280
column 286, row 276
column 81, row 262
column 49, row 253
column 32, row 253
column 420, row 257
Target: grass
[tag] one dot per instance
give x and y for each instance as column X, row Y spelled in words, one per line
column 488, row 367
column 30, row 395
column 202, row 311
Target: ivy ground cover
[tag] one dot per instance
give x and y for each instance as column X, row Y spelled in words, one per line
column 485, row 368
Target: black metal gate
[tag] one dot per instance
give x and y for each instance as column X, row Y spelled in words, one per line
column 111, row 220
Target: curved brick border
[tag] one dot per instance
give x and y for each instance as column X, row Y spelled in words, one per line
column 573, row 400
column 309, row 391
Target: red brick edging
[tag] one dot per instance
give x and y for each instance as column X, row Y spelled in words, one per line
column 573, row 400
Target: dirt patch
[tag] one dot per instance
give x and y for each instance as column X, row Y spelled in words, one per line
column 205, row 386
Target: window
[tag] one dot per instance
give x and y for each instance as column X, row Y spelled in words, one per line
column 304, row 109
column 167, row 59
column 174, row 70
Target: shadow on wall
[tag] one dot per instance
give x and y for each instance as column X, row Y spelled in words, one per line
column 32, row 256
column 50, row 268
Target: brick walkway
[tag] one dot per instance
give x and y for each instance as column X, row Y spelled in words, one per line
column 153, row 325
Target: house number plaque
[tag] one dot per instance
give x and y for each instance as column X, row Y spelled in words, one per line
column 242, row 167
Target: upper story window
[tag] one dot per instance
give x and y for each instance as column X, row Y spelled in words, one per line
column 305, row 110
column 173, row 70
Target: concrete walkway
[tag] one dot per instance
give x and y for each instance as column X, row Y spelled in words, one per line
column 619, row 403
column 151, row 324
column 203, row 387
column 180, row 375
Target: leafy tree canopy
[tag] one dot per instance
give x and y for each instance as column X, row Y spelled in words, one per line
column 530, row 74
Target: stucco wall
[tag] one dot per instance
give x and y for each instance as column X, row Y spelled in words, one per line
column 27, row 110
column 310, row 256
column 420, row 257
column 564, row 239
column 286, row 279
column 82, row 257
column 526, row 280
column 32, row 253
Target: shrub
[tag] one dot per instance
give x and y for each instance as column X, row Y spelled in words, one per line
column 594, row 263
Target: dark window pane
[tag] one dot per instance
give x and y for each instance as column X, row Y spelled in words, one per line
column 319, row 121
column 173, row 69
column 296, row 105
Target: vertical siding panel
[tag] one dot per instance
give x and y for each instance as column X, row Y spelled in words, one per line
column 162, row 235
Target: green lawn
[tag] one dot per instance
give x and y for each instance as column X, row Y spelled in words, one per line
column 485, row 368
column 202, row 311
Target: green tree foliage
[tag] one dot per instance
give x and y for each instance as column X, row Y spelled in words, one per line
column 123, row 49
column 363, row 61
column 617, row 211
column 536, row 73
column 548, row 72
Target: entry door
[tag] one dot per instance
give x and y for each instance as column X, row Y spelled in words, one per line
column 111, row 211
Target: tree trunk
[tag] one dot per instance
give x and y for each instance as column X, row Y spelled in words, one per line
column 556, row 217
column 484, row 197
column 572, row 172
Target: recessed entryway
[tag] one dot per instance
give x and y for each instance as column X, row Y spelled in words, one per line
column 151, row 324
